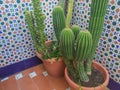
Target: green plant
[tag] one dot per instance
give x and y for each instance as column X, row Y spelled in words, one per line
column 98, row 11
column 76, row 30
column 67, row 36
column 58, row 21
column 35, row 21
column 77, row 50
column 84, row 44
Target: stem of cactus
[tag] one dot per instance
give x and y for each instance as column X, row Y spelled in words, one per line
column 98, row 11
column 67, row 36
column 58, row 21
column 67, row 41
column 82, row 73
column 69, row 14
column 30, row 22
column 84, row 44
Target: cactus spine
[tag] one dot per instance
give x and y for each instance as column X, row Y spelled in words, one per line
column 76, row 30
column 58, row 21
column 84, row 44
column 98, row 10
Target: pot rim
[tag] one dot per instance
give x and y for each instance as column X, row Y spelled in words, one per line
column 53, row 60
column 83, row 87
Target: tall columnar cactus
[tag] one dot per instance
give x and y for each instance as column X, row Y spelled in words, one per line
column 84, row 44
column 98, row 11
column 35, row 21
column 58, row 21
column 76, row 30
column 69, row 13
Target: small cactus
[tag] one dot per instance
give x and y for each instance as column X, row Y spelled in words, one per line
column 67, row 43
column 76, row 30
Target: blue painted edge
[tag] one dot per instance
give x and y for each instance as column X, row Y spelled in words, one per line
column 34, row 61
column 113, row 85
column 18, row 67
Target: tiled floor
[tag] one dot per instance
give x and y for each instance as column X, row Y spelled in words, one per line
column 39, row 82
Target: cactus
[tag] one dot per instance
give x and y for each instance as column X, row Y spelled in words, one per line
column 67, row 43
column 69, row 14
column 76, row 30
column 58, row 21
column 84, row 44
column 67, row 36
column 35, row 21
column 98, row 10
column 78, row 54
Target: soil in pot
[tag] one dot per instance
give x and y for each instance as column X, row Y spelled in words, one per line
column 94, row 80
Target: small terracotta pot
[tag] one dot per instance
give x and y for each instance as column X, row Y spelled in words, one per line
column 99, row 67
column 54, row 67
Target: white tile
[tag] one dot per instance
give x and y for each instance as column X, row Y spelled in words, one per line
column 18, row 76
column 68, row 88
column 33, row 74
column 45, row 73
column 4, row 79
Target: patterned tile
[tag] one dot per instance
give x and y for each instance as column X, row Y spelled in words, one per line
column 15, row 41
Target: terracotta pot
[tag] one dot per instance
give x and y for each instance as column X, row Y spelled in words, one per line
column 99, row 67
column 54, row 67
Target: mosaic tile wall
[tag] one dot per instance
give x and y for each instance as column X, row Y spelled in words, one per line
column 108, row 51
column 16, row 43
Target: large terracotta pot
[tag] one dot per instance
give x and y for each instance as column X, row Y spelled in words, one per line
column 54, row 67
column 99, row 67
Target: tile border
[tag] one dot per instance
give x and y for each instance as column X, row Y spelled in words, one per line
column 20, row 66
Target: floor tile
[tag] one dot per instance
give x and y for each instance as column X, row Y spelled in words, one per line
column 1, row 88
column 59, row 83
column 41, row 81
column 40, row 68
column 37, row 82
column 26, row 83
column 10, row 84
